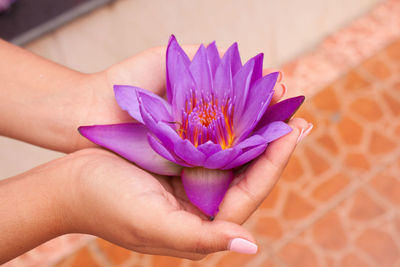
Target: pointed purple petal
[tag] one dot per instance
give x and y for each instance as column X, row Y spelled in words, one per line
column 126, row 97
column 222, row 158
column 174, row 51
column 206, row 188
column 160, row 149
column 209, row 148
column 274, row 130
column 183, row 87
column 161, row 130
column 281, row 111
column 257, row 101
column 248, row 155
column 213, row 57
column 189, row 153
column 223, row 83
column 252, row 141
column 130, row 141
column 258, row 68
column 241, row 86
column 154, row 107
column 201, row 72
column 232, row 56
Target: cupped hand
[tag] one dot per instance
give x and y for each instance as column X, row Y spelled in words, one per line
column 147, row 70
column 113, row 199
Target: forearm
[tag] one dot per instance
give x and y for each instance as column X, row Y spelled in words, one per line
column 31, row 209
column 39, row 99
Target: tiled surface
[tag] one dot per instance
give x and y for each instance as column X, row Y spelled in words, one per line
column 337, row 203
column 329, row 168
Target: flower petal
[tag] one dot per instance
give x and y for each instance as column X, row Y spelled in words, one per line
column 232, row 56
column 274, row 130
column 130, row 141
column 281, row 111
column 213, row 57
column 174, row 50
column 258, row 68
column 189, row 153
column 183, row 88
column 127, row 99
column 252, row 141
column 241, row 86
column 209, row 148
column 154, row 107
column 164, row 152
column 201, row 72
column 222, row 158
column 206, row 188
column 257, row 101
column 247, row 156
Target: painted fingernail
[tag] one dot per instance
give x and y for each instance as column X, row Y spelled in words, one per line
column 242, row 246
column 305, row 132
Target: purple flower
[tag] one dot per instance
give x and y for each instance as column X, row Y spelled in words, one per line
column 217, row 118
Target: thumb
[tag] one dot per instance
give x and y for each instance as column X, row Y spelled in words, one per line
column 187, row 232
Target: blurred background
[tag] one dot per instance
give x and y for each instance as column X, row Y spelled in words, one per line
column 282, row 30
column 337, row 202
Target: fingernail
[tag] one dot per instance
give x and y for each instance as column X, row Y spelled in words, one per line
column 283, row 89
column 280, row 76
column 305, row 132
column 242, row 246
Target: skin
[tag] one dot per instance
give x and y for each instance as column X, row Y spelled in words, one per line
column 94, row 191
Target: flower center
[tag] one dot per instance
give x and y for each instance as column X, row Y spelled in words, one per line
column 206, row 120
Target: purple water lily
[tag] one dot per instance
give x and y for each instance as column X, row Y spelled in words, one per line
column 217, row 118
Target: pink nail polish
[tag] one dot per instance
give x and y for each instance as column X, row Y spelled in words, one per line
column 305, row 132
column 242, row 246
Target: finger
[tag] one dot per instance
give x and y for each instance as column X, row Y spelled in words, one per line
column 185, row 232
column 243, row 198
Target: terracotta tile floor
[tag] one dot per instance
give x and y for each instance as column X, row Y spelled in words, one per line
column 337, row 203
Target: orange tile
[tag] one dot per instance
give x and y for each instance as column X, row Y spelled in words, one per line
column 270, row 201
column 380, row 246
column 115, row 254
column 298, row 255
column 380, row 144
column 393, row 104
column 326, row 100
column 353, row 81
column 328, row 232
column 367, row 108
column 269, row 227
column 393, row 51
column 294, row 170
column 364, row 207
column 377, row 68
column 331, row 187
column 350, row 130
column 317, row 162
column 326, row 141
column 82, row 257
column 352, row 260
column 388, row 186
column 164, row 261
column 357, row 161
column 230, row 259
column 296, row 207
